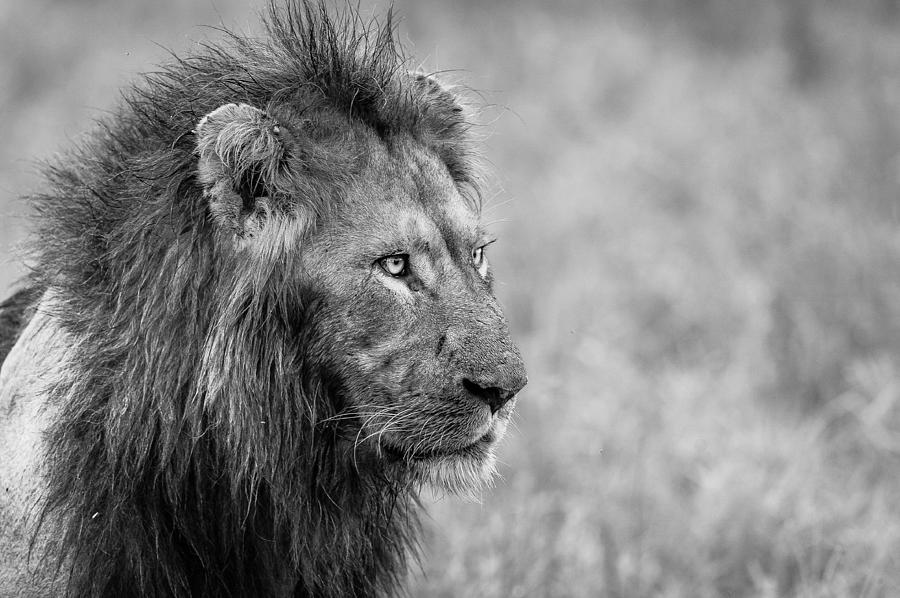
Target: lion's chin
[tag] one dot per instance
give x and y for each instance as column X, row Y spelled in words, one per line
column 464, row 472
column 461, row 474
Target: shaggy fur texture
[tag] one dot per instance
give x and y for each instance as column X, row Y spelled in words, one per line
column 199, row 448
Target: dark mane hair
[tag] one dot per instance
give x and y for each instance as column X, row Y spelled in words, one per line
column 195, row 450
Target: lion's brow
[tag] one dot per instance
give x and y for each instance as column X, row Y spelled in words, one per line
column 456, row 236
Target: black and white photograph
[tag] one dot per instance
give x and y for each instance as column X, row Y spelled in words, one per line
column 451, row 299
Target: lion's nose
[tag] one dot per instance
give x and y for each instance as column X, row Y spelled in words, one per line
column 494, row 396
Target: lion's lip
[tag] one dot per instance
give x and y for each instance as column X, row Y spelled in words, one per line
column 469, row 450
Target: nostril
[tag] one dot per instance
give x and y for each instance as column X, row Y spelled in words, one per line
column 494, row 396
column 474, row 389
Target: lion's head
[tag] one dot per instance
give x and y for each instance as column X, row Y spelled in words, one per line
column 406, row 327
column 278, row 321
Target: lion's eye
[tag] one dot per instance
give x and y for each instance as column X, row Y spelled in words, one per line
column 395, row 265
column 480, row 261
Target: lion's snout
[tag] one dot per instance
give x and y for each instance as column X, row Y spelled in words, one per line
column 488, row 364
column 492, row 368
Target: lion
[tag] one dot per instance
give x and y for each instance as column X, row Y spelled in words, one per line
column 259, row 320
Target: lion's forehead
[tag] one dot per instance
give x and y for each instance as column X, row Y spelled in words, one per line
column 406, row 198
column 436, row 190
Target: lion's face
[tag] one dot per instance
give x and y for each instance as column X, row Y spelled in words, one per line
column 405, row 327
column 408, row 320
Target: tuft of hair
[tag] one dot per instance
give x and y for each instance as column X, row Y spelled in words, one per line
column 190, row 457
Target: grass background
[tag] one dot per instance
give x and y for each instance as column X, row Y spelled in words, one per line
column 699, row 255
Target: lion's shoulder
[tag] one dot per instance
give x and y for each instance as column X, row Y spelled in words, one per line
column 34, row 361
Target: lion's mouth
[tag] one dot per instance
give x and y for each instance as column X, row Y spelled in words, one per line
column 472, row 450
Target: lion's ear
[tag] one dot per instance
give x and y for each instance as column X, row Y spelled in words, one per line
column 240, row 149
column 446, row 125
column 440, row 96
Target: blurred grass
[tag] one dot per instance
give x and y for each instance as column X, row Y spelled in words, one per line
column 699, row 256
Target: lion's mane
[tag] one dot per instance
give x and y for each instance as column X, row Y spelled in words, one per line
column 193, row 452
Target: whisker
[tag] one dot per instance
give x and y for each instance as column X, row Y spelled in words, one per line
column 359, row 433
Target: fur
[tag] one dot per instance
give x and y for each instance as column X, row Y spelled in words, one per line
column 125, row 239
